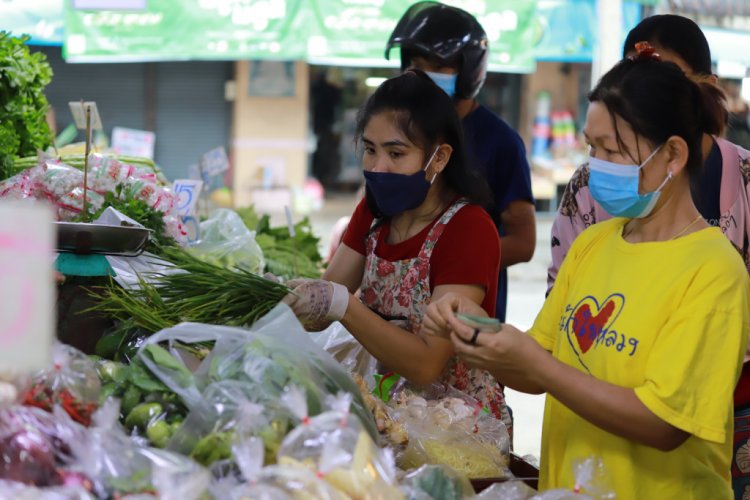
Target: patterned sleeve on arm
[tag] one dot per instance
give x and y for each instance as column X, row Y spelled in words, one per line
column 576, row 212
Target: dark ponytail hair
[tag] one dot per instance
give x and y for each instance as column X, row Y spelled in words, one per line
column 659, row 101
column 427, row 116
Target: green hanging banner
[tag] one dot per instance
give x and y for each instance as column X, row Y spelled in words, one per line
column 354, row 33
column 175, row 30
column 336, row 32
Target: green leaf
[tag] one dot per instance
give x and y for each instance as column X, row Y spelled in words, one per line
column 141, row 377
column 164, row 359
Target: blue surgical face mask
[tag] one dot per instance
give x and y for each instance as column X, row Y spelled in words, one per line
column 397, row 193
column 615, row 188
column 444, row 81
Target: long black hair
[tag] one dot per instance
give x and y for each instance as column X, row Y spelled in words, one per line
column 676, row 33
column 659, row 101
column 427, row 116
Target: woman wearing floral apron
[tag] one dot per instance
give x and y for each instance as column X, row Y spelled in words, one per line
column 420, row 232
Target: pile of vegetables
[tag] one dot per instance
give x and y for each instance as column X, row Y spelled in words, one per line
column 23, row 106
column 285, row 256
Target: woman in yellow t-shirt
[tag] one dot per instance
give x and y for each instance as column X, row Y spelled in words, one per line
column 640, row 343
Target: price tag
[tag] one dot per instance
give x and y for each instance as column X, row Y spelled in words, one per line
column 215, row 162
column 192, row 227
column 27, row 239
column 188, row 191
column 78, row 109
column 132, row 142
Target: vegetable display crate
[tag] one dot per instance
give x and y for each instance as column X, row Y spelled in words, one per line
column 521, row 469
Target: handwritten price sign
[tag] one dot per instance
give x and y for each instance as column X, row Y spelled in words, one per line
column 187, row 191
column 27, row 286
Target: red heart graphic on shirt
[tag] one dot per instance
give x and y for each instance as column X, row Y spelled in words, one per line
column 589, row 322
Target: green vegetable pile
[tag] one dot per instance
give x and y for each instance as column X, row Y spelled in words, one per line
column 23, row 106
column 285, row 256
column 139, row 211
column 147, row 406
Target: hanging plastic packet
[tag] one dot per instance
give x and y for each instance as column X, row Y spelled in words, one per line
column 72, row 383
column 335, row 446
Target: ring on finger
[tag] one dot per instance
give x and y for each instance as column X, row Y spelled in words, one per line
column 473, row 340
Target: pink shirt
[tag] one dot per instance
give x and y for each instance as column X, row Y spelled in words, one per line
column 578, row 210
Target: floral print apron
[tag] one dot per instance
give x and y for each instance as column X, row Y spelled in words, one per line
column 400, row 292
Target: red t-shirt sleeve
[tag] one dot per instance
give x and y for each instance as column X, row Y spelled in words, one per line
column 356, row 233
column 468, row 253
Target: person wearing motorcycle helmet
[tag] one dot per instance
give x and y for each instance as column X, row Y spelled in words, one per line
column 451, row 46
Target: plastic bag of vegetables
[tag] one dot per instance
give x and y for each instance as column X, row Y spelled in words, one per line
column 35, row 446
column 232, row 411
column 121, row 465
column 19, row 491
column 437, row 482
column 336, row 447
column 227, row 242
column 275, row 482
column 446, row 426
column 71, row 382
column 274, row 353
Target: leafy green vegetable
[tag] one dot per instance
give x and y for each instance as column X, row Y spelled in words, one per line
column 23, row 105
column 161, row 357
column 139, row 211
column 285, row 256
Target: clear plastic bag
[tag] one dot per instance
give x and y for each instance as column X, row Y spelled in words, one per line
column 339, row 343
column 592, row 483
column 227, row 242
column 71, row 382
column 508, row 490
column 19, row 491
column 335, row 446
column 446, row 426
column 120, row 465
column 275, row 353
column 231, row 411
column 436, row 482
column 275, row 482
column 35, row 445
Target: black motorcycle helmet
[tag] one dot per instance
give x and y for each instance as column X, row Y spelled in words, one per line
column 450, row 35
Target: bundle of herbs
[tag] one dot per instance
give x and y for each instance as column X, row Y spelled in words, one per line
column 193, row 290
column 23, row 105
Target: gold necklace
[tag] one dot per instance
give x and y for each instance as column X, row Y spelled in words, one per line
column 686, row 228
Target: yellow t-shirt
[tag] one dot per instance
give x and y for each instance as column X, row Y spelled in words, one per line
column 669, row 319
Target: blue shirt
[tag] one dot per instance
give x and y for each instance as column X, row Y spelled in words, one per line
column 498, row 152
